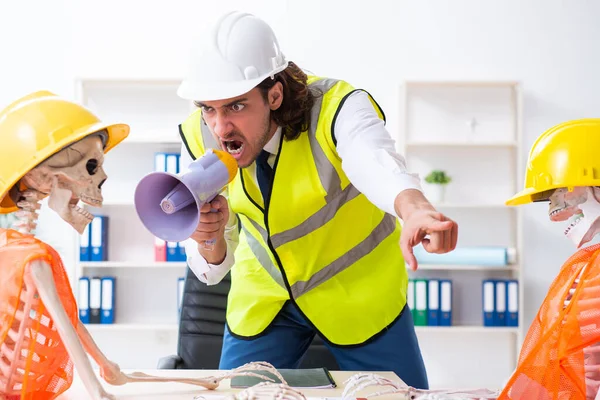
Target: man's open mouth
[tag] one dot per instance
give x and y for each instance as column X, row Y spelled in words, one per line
column 233, row 146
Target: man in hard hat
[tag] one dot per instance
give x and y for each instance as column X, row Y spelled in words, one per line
column 316, row 203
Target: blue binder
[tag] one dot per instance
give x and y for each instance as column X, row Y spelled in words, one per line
column 99, row 238
column 107, row 315
column 181, row 255
column 84, row 245
column 84, row 299
column 488, row 302
column 500, row 313
column 172, row 251
column 433, row 303
column 512, row 297
column 445, row 302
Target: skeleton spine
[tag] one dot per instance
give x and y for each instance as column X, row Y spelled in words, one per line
column 27, row 215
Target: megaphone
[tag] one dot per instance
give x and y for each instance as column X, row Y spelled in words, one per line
column 169, row 205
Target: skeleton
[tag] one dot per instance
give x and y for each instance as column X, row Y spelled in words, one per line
column 582, row 206
column 73, row 174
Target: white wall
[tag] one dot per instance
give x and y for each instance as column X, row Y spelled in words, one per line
column 551, row 47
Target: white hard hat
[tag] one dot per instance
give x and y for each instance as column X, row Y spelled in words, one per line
column 241, row 52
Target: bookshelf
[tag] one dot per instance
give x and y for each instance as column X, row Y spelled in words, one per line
column 146, row 304
column 472, row 131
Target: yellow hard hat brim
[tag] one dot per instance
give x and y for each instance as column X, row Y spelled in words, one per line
column 526, row 196
column 116, row 134
column 523, row 197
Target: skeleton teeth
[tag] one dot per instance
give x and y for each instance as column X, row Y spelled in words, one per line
column 82, row 211
column 575, row 222
column 90, row 200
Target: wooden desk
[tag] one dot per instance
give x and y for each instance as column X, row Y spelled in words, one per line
column 180, row 391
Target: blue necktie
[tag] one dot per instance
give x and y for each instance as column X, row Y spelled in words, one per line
column 264, row 175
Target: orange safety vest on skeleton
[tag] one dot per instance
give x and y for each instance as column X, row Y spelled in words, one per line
column 47, row 368
column 319, row 242
column 558, row 352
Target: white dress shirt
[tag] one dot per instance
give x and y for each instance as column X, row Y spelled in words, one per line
column 369, row 159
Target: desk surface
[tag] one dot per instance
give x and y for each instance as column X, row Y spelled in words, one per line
column 181, row 391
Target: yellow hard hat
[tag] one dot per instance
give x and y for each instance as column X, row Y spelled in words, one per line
column 38, row 126
column 566, row 155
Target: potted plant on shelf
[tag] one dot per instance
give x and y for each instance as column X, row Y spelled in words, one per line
column 437, row 181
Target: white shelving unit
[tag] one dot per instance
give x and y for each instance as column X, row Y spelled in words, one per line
column 146, row 309
column 472, row 131
column 484, row 165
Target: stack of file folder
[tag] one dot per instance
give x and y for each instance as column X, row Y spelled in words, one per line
column 430, row 301
column 96, row 299
column 500, row 302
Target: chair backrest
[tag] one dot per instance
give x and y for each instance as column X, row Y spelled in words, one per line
column 202, row 323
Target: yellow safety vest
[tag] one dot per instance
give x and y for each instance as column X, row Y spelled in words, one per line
column 320, row 244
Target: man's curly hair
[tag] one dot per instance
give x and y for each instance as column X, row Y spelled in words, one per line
column 294, row 113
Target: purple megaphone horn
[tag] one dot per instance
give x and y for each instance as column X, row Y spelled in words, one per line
column 169, row 205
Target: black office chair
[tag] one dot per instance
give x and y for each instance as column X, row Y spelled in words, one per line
column 201, row 330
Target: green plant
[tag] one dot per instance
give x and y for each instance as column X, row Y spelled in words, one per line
column 438, row 177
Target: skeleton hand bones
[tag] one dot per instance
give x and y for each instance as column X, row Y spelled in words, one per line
column 401, row 391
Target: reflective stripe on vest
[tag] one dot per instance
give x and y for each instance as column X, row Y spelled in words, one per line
column 331, row 181
column 261, row 253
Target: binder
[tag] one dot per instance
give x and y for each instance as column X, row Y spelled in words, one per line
column 84, row 299
column 160, row 162
column 445, row 302
column 433, row 304
column 180, row 289
column 108, row 301
column 410, row 297
column 172, row 252
column 84, row 245
column 489, row 298
column 160, row 250
column 512, row 296
column 420, row 302
column 181, row 256
column 160, row 246
column 95, row 299
column 99, row 238
column 500, row 314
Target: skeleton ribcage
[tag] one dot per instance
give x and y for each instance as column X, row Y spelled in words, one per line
column 32, row 356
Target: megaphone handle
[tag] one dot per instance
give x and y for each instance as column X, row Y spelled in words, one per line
column 210, row 244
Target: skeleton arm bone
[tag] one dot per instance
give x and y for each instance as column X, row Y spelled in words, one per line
column 41, row 274
column 213, row 381
column 111, row 372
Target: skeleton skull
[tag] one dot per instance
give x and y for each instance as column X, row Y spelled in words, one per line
column 74, row 173
column 582, row 206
